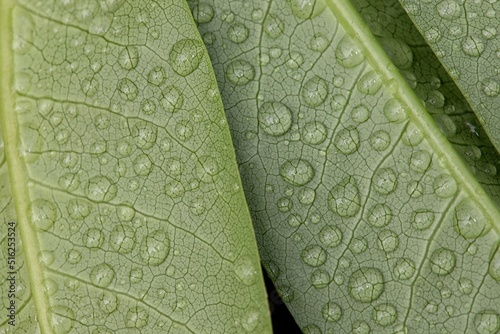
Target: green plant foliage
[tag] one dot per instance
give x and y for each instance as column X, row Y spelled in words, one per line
column 372, row 187
column 118, row 168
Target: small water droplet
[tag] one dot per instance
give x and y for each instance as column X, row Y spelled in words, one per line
column 306, row 196
column 449, row 9
column 360, row 114
column 185, row 56
column 129, row 58
column 423, row 219
column 412, row 136
column 442, row 261
column 320, row 279
column 273, row 26
column 494, row 269
column 61, row 319
column 380, row 140
column 385, row 181
column 331, row 312
column 319, row 42
column 128, row 89
column 142, row 165
column 90, row 86
column 93, row 238
column 314, row 92
column 385, row 314
column 347, row 140
column 43, row 214
column 155, row 248
column 245, row 270
column 358, row 245
column 297, row 172
column 338, row 102
column 237, row 33
column 366, row 284
column 360, row 327
column 275, row 118
column 330, row 236
column 122, row 239
column 388, row 241
column 349, row 54
column 102, row 275
column 296, row 60
column 136, row 317
column 144, row 134
column 395, row 111
column 420, row 161
column 491, row 87
column 78, row 209
column 313, row 255
column 306, row 9
column 473, row 46
column 469, row 220
column 344, row 198
column 240, row 72
column 203, row 13
column 431, row 307
column 379, row 215
column 369, row 83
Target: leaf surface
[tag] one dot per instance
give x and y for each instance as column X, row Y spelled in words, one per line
column 366, row 217
column 119, row 164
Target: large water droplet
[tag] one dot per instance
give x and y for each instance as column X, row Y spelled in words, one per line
column 203, row 13
column 297, row 172
column 314, row 92
column 122, row 239
column 347, row 140
column 349, row 54
column 275, row 118
column 442, row 261
column 445, row 186
column 469, row 220
column 43, row 214
column 240, row 72
column 186, row 55
column 385, row 181
column 313, row 255
column 331, row 312
column 366, row 284
column 449, row 9
column 487, row 322
column 385, row 314
column 102, row 275
column 155, row 248
column 404, row 269
column 344, row 198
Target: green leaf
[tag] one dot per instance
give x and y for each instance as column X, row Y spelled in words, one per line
column 464, row 36
column 367, row 218
column 118, row 168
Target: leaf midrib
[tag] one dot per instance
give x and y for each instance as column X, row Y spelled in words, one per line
column 357, row 29
column 17, row 172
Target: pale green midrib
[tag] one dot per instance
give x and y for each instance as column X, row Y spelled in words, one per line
column 17, row 170
column 357, row 29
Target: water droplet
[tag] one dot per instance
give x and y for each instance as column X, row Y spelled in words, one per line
column 142, row 165
column 388, row 241
column 61, row 319
column 358, row 245
column 209, row 167
column 338, row 102
column 285, row 291
column 273, row 26
column 320, row 279
column 24, row 28
column 172, row 100
column 319, row 42
column 125, row 213
column 380, row 140
column 469, row 220
column 446, row 125
column 347, row 140
column 423, row 219
column 144, row 134
column 128, row 89
column 245, row 270
column 102, row 275
column 100, row 25
column 344, row 198
column 306, row 196
column 379, row 215
column 240, row 72
column 313, row 255
column 43, row 214
column 50, row 286
column 100, row 188
column 420, row 161
column 330, row 236
column 360, row 114
column 93, row 238
column 314, row 92
column 185, row 56
column 136, row 317
column 404, row 269
column 122, row 239
column 155, row 248
column 394, row 111
column 369, row 83
column 203, row 13
column 74, row 256
column 90, row 86
column 297, row 172
column 442, row 261
column 360, row 327
column 314, row 133
column 385, row 314
column 398, row 51
column 275, row 118
column 46, row 258
column 311, row 329
column 431, row 307
column 296, row 60
column 237, row 33
column 445, row 186
column 491, row 87
column 250, row 320
column 465, row 286
column 366, row 284
column 494, row 269
column 78, row 208
column 156, row 76
column 331, row 312
column 412, row 136
column 349, row 54
column 174, row 189
column 449, row 9
column 385, row 181
column 487, row 322
column 473, row 46
column 305, row 9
